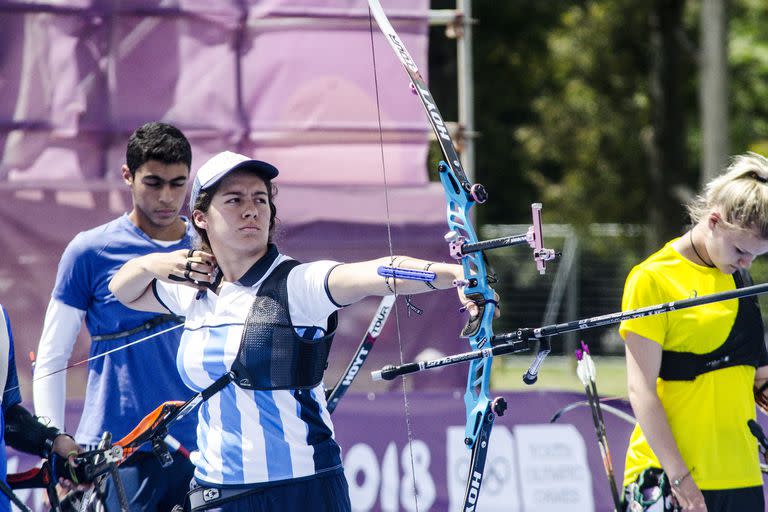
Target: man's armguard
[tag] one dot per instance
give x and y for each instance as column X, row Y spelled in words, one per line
column 26, row 433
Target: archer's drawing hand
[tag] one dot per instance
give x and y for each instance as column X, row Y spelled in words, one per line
column 190, row 267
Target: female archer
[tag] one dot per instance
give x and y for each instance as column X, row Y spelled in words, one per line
column 691, row 373
column 265, row 442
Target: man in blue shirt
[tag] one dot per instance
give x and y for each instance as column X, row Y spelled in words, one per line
column 124, row 385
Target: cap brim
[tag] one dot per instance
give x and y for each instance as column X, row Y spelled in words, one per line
column 267, row 170
column 264, row 169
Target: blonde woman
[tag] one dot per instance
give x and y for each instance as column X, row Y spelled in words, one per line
column 691, row 373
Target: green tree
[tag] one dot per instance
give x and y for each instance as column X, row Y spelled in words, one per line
column 591, row 145
column 591, row 106
column 510, row 55
column 748, row 59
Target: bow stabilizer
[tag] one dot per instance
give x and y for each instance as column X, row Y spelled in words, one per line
column 524, row 339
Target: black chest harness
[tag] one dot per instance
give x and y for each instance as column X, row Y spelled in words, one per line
column 272, row 355
column 744, row 346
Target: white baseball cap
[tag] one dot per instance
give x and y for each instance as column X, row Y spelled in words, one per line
column 222, row 164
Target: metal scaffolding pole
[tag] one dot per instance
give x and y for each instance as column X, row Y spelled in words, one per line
column 465, row 72
column 459, row 26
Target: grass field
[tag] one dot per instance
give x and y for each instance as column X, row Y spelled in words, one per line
column 559, row 372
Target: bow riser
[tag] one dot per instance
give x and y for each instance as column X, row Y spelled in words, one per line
column 476, row 398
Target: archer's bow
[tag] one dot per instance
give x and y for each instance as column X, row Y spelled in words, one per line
column 461, row 195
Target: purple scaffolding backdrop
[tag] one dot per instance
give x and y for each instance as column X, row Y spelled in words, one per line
column 291, row 82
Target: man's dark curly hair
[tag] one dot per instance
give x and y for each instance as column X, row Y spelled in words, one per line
column 157, row 141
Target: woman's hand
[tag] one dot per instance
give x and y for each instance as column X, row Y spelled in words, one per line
column 474, row 303
column 190, row 267
column 688, row 495
column 132, row 283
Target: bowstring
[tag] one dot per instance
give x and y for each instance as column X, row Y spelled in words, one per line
column 99, row 356
column 408, row 425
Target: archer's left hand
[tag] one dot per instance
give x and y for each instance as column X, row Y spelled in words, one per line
column 475, row 304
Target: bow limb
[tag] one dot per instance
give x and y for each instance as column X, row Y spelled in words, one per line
column 460, row 197
column 435, row 118
column 152, row 427
column 335, row 394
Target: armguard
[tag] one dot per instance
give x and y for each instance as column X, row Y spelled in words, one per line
column 26, row 433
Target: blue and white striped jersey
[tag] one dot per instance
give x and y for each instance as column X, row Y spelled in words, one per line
column 253, row 437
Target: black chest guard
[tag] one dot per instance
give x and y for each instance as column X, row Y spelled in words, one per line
column 272, row 355
column 744, row 346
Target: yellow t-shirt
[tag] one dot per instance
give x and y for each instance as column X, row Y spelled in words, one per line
column 708, row 416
